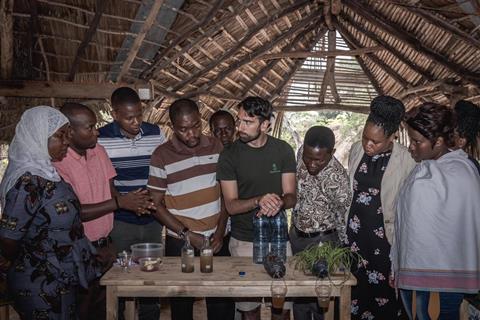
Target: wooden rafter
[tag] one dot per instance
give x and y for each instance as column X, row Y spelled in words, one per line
column 318, row 54
column 193, row 28
column 252, row 32
column 348, row 37
column 100, row 6
column 6, row 39
column 270, row 65
column 370, row 15
column 147, row 73
column 137, row 43
column 394, row 51
column 436, row 20
column 259, row 51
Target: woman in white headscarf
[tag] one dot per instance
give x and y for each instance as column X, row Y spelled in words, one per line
column 41, row 234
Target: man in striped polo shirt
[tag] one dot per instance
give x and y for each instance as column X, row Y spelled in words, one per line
column 129, row 143
column 185, row 190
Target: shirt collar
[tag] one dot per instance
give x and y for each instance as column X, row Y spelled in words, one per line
column 180, row 146
column 89, row 153
column 117, row 131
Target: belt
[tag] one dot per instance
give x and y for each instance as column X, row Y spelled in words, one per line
column 102, row 242
column 302, row 234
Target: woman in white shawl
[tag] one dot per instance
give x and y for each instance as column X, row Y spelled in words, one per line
column 41, row 235
column 436, row 230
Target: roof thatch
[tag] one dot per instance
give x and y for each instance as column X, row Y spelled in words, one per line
column 220, row 51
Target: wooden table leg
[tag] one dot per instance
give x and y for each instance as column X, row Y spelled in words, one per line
column 130, row 309
column 331, row 310
column 112, row 303
column 345, row 302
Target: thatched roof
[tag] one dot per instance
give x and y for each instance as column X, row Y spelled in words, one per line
column 220, row 51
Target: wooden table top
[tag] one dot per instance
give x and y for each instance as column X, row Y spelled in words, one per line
column 225, row 273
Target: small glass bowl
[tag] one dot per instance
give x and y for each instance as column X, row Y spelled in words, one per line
column 149, row 264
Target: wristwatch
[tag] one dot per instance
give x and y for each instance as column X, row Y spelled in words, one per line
column 183, row 233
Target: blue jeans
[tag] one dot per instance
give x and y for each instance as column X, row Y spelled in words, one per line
column 449, row 304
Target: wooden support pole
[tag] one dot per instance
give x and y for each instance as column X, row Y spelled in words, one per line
column 232, row 51
column 6, row 39
column 368, row 14
column 329, row 75
column 100, row 6
column 137, row 43
column 66, row 90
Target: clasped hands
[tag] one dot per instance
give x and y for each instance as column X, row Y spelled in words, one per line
column 138, row 201
column 270, row 204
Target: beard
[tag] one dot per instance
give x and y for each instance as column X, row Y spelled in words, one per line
column 247, row 138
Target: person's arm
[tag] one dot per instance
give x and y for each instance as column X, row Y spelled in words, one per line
column 217, row 237
column 169, row 220
column 289, row 189
column 269, row 203
column 342, row 199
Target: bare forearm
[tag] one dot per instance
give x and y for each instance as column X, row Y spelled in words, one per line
column 289, row 200
column 93, row 211
column 168, row 219
column 238, row 206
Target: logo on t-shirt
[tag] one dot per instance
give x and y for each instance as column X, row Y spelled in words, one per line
column 275, row 168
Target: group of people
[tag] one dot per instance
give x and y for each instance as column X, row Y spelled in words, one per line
column 74, row 195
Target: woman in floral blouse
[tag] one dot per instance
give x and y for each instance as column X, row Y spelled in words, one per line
column 41, row 235
column 377, row 169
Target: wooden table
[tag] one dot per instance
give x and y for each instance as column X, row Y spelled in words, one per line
column 225, row 281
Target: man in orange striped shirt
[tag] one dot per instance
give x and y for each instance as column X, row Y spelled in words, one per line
column 183, row 184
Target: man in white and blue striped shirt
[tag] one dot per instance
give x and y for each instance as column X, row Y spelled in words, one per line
column 129, row 143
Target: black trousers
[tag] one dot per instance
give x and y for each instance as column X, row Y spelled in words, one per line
column 182, row 308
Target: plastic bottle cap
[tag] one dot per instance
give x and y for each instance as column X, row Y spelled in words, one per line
column 241, row 273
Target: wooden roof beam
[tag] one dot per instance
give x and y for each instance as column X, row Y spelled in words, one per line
column 394, row 51
column 232, row 51
column 367, row 13
column 6, row 39
column 262, row 73
column 194, row 28
column 100, row 6
column 158, row 64
column 319, row 54
column 259, row 51
column 323, row 106
column 435, row 20
column 137, row 43
column 347, row 36
column 65, row 90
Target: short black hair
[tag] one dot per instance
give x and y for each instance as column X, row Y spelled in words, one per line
column 386, row 112
column 257, row 107
column 124, row 96
column 320, row 137
column 468, row 124
column 182, row 107
column 70, row 109
column 218, row 114
column 433, row 121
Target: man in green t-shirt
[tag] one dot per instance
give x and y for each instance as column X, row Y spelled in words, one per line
column 257, row 172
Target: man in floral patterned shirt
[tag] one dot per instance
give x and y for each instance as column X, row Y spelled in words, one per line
column 323, row 198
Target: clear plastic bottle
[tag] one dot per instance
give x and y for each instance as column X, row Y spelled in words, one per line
column 279, row 235
column 261, row 236
column 206, row 256
column 187, row 257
